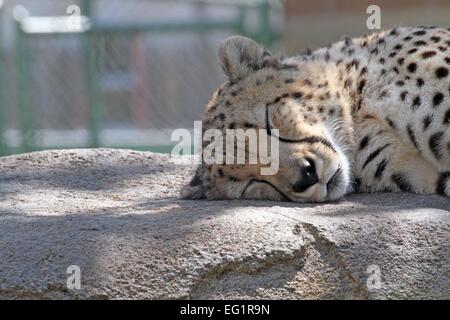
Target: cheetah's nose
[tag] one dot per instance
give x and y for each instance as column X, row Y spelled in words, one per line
column 308, row 176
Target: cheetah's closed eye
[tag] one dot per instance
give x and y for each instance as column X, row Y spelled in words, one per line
column 366, row 114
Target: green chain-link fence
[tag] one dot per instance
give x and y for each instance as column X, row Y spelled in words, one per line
column 125, row 76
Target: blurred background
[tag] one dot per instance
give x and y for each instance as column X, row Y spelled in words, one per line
column 125, row 73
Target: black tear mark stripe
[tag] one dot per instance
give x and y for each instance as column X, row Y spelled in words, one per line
column 286, row 198
column 308, row 140
column 434, row 144
column 402, row 182
column 380, row 169
column 374, row 154
column 444, row 178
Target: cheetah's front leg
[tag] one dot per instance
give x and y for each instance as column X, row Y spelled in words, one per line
column 386, row 163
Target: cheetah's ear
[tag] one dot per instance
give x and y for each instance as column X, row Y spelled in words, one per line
column 239, row 56
column 194, row 190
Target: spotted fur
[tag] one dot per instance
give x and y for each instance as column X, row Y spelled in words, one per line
column 369, row 114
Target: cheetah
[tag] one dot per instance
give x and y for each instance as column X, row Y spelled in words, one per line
column 366, row 114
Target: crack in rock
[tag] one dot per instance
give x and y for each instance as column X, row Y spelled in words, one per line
column 351, row 286
column 248, row 272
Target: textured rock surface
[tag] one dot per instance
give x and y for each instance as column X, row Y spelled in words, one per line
column 117, row 215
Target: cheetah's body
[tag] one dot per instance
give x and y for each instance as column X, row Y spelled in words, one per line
column 383, row 101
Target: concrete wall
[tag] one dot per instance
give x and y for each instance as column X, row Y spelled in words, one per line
column 311, row 24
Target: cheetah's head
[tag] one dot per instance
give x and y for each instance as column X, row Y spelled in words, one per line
column 264, row 92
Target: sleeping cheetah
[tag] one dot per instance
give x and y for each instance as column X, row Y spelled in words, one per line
column 369, row 114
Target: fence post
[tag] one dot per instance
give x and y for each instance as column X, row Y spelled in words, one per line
column 241, row 20
column 23, row 90
column 3, row 145
column 91, row 76
column 265, row 32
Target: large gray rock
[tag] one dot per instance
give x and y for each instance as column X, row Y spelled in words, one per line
column 117, row 215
